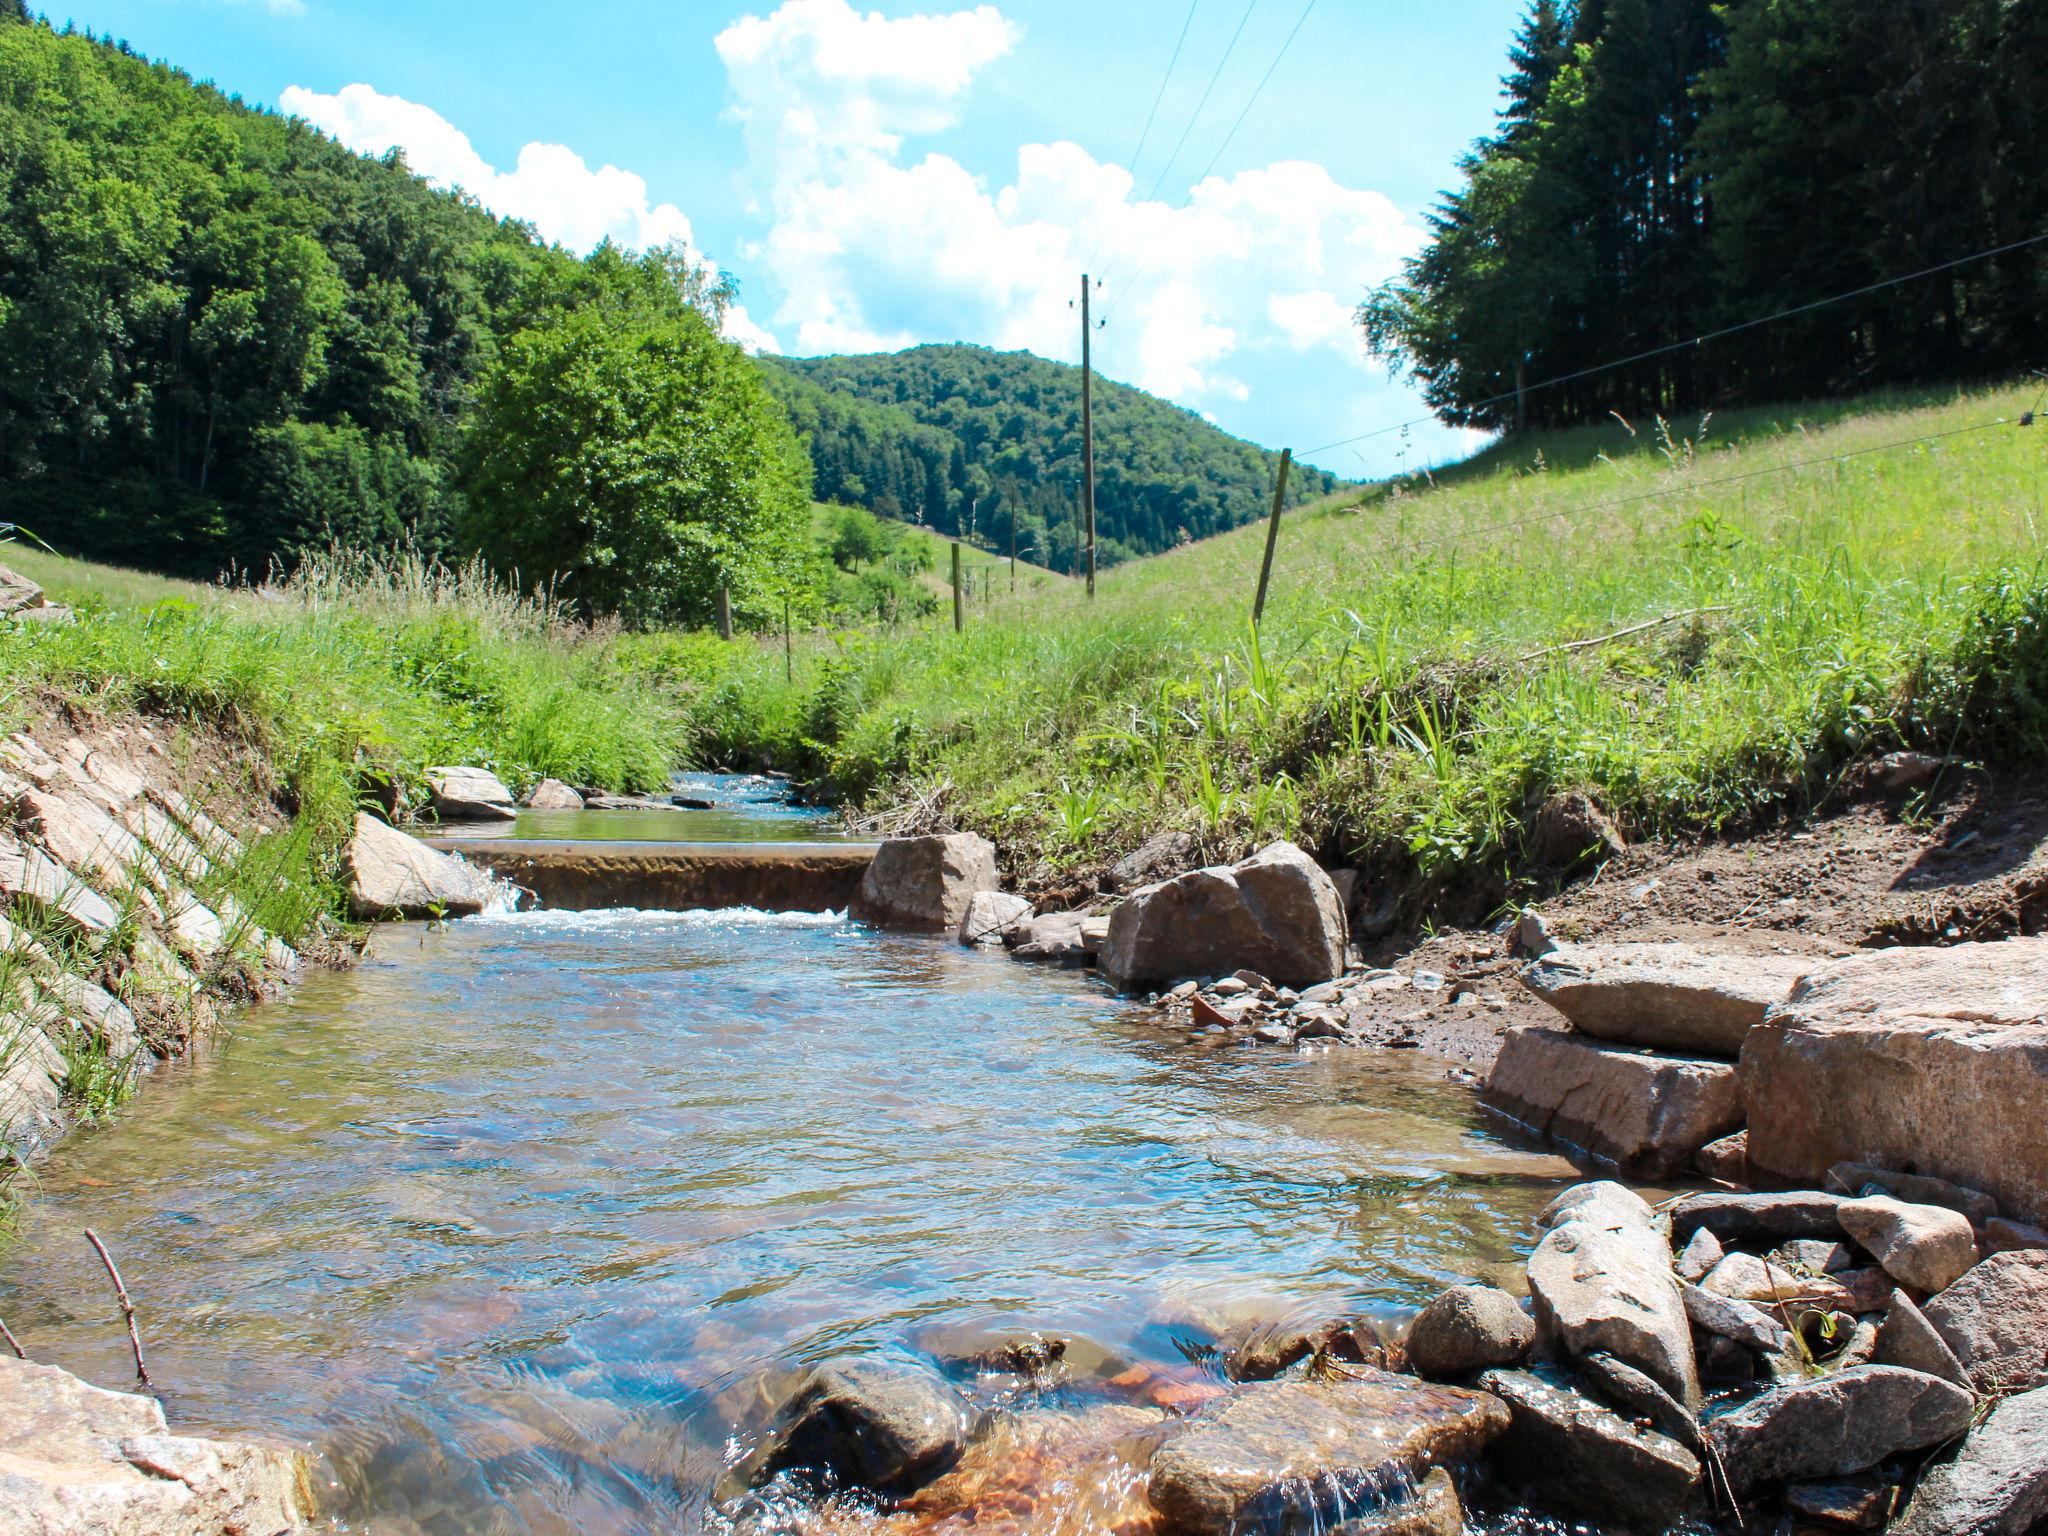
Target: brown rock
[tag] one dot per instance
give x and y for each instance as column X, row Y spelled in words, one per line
column 1907, row 1338
column 1276, row 913
column 1860, row 1178
column 1997, row 1485
column 1160, row 857
column 1726, row 1160
column 1601, row 1282
column 1469, row 1328
column 1570, row 829
column 1646, row 1112
column 1572, row 1452
column 76, row 1460
column 1055, row 936
column 990, row 915
column 391, row 874
column 1831, row 1425
column 2002, row 1236
column 1924, row 1247
column 1306, row 1449
column 1935, row 1059
column 872, row 1423
column 1669, row 996
column 1433, row 1510
column 1849, row 1504
column 469, row 794
column 1758, row 1218
column 553, row 795
column 1996, row 1320
column 926, row 882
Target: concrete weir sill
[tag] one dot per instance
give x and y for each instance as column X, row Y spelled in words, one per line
column 673, row 877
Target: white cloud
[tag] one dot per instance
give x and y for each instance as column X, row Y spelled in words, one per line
column 551, row 187
column 872, row 248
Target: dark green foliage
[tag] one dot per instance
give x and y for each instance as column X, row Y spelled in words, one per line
column 1664, row 168
column 942, row 435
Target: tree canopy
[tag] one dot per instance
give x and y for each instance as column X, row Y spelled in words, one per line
column 1666, row 168
column 948, row 435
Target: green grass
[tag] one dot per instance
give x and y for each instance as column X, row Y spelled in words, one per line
column 1407, row 703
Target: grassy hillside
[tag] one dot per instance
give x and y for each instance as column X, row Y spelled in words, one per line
column 941, row 434
column 1812, row 593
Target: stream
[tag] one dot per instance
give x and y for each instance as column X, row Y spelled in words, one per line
column 507, row 1223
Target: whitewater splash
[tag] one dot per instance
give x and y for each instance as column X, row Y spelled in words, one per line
column 619, row 919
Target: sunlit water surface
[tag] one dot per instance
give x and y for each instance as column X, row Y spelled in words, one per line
column 745, row 808
column 502, row 1222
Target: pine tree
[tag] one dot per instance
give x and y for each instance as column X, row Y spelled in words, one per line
column 1536, row 55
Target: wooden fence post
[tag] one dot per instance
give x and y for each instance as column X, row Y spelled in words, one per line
column 788, row 649
column 724, row 613
column 959, row 606
column 1272, row 536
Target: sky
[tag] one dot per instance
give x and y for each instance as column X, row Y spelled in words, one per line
column 876, row 176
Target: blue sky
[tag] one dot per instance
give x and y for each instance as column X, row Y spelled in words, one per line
column 881, row 175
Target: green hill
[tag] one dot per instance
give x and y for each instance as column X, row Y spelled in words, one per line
column 939, row 435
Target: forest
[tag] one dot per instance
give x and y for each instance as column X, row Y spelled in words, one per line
column 949, row 435
column 1666, row 169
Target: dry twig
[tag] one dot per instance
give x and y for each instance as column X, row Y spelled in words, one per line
column 1623, row 634
column 127, row 1306
column 12, row 1342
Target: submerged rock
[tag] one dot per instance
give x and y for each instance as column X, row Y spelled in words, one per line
column 1601, row 1281
column 1670, row 996
column 1276, row 913
column 1831, row 1425
column 1314, row 1450
column 1469, row 1328
column 1433, row 1510
column 1573, row 1453
column 926, row 883
column 1933, row 1059
column 1642, row 1110
column 1997, row 1484
column 1996, row 1320
column 79, row 1461
column 470, row 794
column 393, row 875
column 870, row 1423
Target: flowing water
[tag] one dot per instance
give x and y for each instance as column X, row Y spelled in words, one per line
column 745, row 808
column 508, row 1223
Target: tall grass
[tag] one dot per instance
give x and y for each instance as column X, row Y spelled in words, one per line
column 1411, row 696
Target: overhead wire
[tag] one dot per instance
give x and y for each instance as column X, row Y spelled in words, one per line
column 1152, row 116
column 1250, row 101
column 1691, row 341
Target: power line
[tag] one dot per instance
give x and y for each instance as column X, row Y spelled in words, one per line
column 1150, row 117
column 1694, row 341
column 1196, row 116
column 1250, row 102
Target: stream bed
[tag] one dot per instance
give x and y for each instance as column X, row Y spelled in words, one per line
column 502, row 1222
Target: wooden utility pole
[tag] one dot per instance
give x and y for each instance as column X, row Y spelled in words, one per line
column 724, row 612
column 788, row 648
column 959, row 606
column 1013, row 539
column 1087, row 436
column 1272, row 536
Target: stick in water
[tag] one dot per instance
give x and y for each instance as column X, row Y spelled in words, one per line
column 127, row 1306
column 12, row 1342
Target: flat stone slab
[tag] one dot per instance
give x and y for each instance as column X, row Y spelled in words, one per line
column 1644, row 1111
column 1581, row 1456
column 1672, row 997
column 1300, row 1450
column 1759, row 1218
column 673, row 877
column 1930, row 1059
column 1835, row 1424
column 79, row 1461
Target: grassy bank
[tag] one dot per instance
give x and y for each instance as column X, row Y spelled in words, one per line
column 1817, row 583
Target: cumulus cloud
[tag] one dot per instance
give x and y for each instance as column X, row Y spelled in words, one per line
column 873, row 246
column 550, row 186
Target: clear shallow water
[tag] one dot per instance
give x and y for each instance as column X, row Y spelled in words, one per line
column 748, row 808
column 503, row 1222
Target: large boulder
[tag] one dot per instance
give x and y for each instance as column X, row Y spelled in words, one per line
column 1839, row 1423
column 1934, row 1060
column 553, row 795
column 1301, row 1450
column 1997, row 1485
column 1571, row 1452
column 926, row 883
column 1996, row 1320
column 990, row 915
column 470, row 794
column 1758, row 1218
column 75, row 1459
column 1601, row 1281
column 1276, row 913
column 1670, row 996
column 1647, row 1112
column 1469, row 1328
column 871, row 1423
column 18, row 593
column 392, row 875
column 1924, row 1247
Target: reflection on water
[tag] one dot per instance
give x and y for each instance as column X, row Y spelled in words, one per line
column 745, row 808
column 506, row 1221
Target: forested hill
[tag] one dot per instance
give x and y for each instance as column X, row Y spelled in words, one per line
column 923, row 433
column 1667, row 168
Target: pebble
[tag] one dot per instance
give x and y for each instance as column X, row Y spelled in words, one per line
column 1230, row 986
